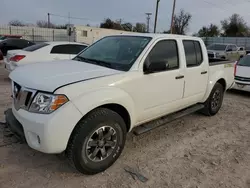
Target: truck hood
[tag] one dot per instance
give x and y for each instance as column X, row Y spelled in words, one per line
column 48, row 76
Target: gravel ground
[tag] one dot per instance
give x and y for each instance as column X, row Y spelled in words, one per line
column 193, row 152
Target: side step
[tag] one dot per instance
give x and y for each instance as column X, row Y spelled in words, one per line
column 166, row 119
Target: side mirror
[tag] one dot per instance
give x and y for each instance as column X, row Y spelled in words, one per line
column 155, row 67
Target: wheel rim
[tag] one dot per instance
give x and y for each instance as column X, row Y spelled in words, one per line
column 101, row 143
column 216, row 100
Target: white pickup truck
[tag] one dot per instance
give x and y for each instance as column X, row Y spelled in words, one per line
column 86, row 106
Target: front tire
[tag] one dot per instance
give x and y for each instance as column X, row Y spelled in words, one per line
column 214, row 101
column 97, row 141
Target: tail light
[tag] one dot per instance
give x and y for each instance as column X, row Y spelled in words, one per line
column 235, row 68
column 17, row 58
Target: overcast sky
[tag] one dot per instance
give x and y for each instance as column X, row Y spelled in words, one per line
column 204, row 12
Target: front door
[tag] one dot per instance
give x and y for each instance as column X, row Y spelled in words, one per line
column 161, row 92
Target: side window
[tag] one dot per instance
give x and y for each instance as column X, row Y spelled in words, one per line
column 75, row 49
column 199, row 55
column 165, row 51
column 193, row 53
column 229, row 48
column 59, row 49
column 234, row 48
column 67, row 49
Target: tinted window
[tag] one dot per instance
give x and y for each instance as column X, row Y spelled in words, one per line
column 245, row 61
column 165, row 51
column 67, row 49
column 198, row 52
column 35, row 47
column 193, row 53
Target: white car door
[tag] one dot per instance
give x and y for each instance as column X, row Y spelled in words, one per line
column 196, row 72
column 160, row 93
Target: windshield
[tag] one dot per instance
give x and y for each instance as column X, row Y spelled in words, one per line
column 219, row 47
column 116, row 52
column 245, row 61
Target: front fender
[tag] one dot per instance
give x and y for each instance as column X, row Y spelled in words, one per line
column 89, row 101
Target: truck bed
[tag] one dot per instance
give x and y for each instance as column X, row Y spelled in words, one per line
column 226, row 67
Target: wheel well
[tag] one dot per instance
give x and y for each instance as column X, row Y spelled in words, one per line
column 223, row 83
column 121, row 111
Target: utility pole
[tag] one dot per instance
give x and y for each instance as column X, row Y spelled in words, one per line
column 48, row 20
column 156, row 14
column 172, row 19
column 148, row 19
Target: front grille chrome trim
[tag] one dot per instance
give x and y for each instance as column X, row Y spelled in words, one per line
column 21, row 97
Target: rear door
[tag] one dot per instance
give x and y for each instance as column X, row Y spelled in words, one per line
column 196, row 73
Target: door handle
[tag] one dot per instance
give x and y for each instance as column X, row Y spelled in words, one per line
column 204, row 72
column 179, row 77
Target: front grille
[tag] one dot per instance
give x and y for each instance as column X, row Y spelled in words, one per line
column 243, row 79
column 22, row 96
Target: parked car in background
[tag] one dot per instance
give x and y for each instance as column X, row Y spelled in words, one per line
column 12, row 44
column 223, row 51
column 3, row 37
column 242, row 74
column 87, row 105
column 47, row 51
column 242, row 52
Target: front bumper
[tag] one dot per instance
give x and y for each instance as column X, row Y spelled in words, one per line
column 47, row 133
column 241, row 86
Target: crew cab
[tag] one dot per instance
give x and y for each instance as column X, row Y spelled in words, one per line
column 122, row 83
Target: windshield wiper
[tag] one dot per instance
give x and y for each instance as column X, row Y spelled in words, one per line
column 93, row 61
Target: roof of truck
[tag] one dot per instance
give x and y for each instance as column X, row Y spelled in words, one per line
column 153, row 35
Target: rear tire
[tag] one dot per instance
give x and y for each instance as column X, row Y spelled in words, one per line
column 97, row 141
column 214, row 101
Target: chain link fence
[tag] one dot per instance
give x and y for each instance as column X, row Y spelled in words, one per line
column 239, row 41
column 36, row 34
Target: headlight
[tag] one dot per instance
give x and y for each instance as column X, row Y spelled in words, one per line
column 46, row 103
column 217, row 54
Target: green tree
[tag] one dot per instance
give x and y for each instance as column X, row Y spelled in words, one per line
column 140, row 27
column 234, row 26
column 210, row 31
column 109, row 24
column 181, row 22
